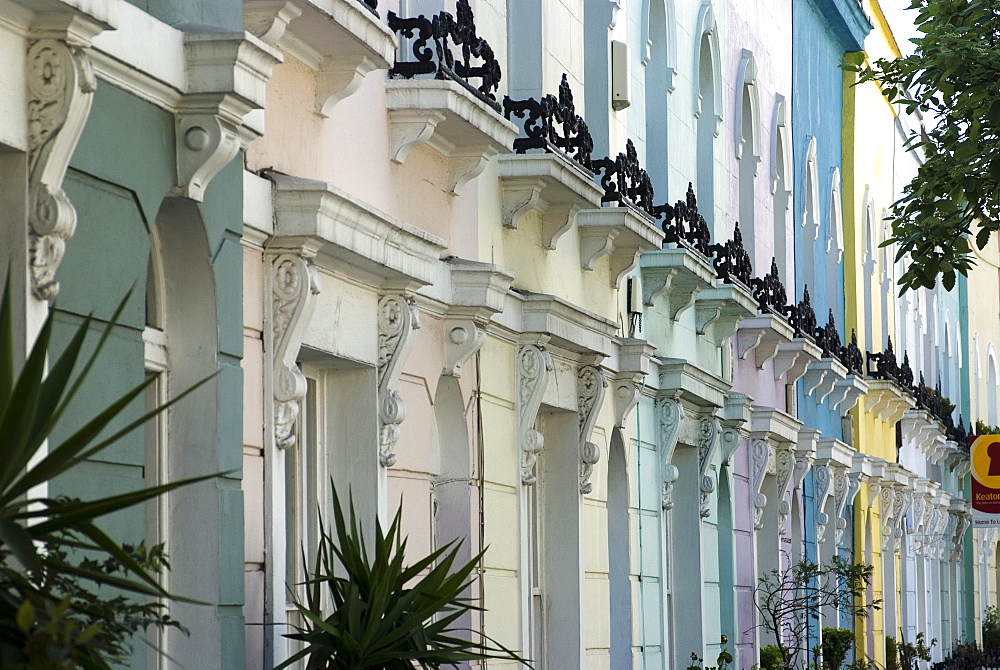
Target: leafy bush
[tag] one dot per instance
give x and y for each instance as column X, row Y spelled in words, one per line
column 55, row 562
column 386, row 615
column 911, row 653
column 991, row 628
column 891, row 653
column 770, row 657
column 837, row 642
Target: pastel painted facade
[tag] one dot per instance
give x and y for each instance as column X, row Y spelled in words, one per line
column 519, row 309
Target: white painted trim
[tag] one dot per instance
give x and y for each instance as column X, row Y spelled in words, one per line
column 746, row 81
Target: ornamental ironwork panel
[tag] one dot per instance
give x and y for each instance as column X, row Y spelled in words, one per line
column 883, row 365
column 732, row 262
column 449, row 34
column 682, row 224
column 905, row 376
column 850, row 356
column 828, row 338
column 371, row 6
column 552, row 124
column 769, row 292
column 802, row 317
column 624, row 181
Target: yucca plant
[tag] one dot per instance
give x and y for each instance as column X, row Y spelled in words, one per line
column 384, row 614
column 70, row 595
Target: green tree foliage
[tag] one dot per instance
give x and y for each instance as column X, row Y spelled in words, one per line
column 951, row 81
column 371, row 611
column 70, row 596
column 837, row 642
column 991, row 628
column 789, row 601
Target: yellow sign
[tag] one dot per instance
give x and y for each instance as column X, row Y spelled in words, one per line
column 986, row 460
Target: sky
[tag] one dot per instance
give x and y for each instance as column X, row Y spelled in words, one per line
column 901, row 21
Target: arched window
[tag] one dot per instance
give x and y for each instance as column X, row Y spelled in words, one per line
column 708, row 113
column 868, row 269
column 748, row 149
column 835, row 240
column 658, row 59
column 781, row 184
column 810, row 214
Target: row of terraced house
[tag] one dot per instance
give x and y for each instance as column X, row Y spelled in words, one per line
column 597, row 285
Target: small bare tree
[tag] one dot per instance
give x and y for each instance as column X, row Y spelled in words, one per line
column 789, row 601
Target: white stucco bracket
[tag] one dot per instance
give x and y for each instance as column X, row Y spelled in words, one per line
column 590, row 388
column 450, row 120
column 534, row 366
column 634, row 356
column 398, row 321
column 478, row 291
column 618, row 232
column 674, row 276
column 762, row 335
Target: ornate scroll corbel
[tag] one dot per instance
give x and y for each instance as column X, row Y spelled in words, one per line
column 61, row 83
column 294, row 286
column 590, row 387
column 822, row 487
column 888, row 501
column 205, row 144
column 398, row 321
column 761, row 460
column 708, row 442
column 464, row 338
column 846, row 485
column 534, row 364
column 902, row 500
column 669, row 414
column 784, row 464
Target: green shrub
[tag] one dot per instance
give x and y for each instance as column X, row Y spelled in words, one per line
column 770, row 657
column 991, row 628
column 369, row 610
column 837, row 642
column 891, row 653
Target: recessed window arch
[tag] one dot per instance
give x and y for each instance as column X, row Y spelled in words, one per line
column 708, row 110
column 835, row 239
column 868, row 271
column 748, row 148
column 659, row 59
column 781, row 183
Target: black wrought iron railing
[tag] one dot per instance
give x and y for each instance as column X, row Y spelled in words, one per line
column 802, row 317
column 851, row 357
column 458, row 52
column 370, row 5
column 683, row 225
column 769, row 292
column 828, row 338
column 552, row 124
column 732, row 262
column 625, row 181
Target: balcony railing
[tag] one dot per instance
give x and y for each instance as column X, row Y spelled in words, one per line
column 683, row 225
column 552, row 124
column 450, row 35
column 769, row 292
column 732, row 262
column 625, row 181
column 370, row 5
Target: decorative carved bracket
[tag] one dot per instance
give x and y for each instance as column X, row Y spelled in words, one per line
column 675, row 274
column 534, row 364
column 852, row 485
column 398, row 321
column 670, row 415
column 590, row 388
column 634, row 357
column 847, row 392
column 784, row 464
column 548, row 184
column 478, row 291
column 761, row 461
column 719, row 310
column 888, row 501
column 618, row 232
column 762, row 335
column 794, row 358
column 205, row 144
column 822, row 488
column 295, row 283
column 821, row 378
column 708, row 443
column 61, row 83
column 805, row 454
column 902, row 500
column 735, row 414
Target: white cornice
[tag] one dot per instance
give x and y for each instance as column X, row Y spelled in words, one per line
column 350, row 234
